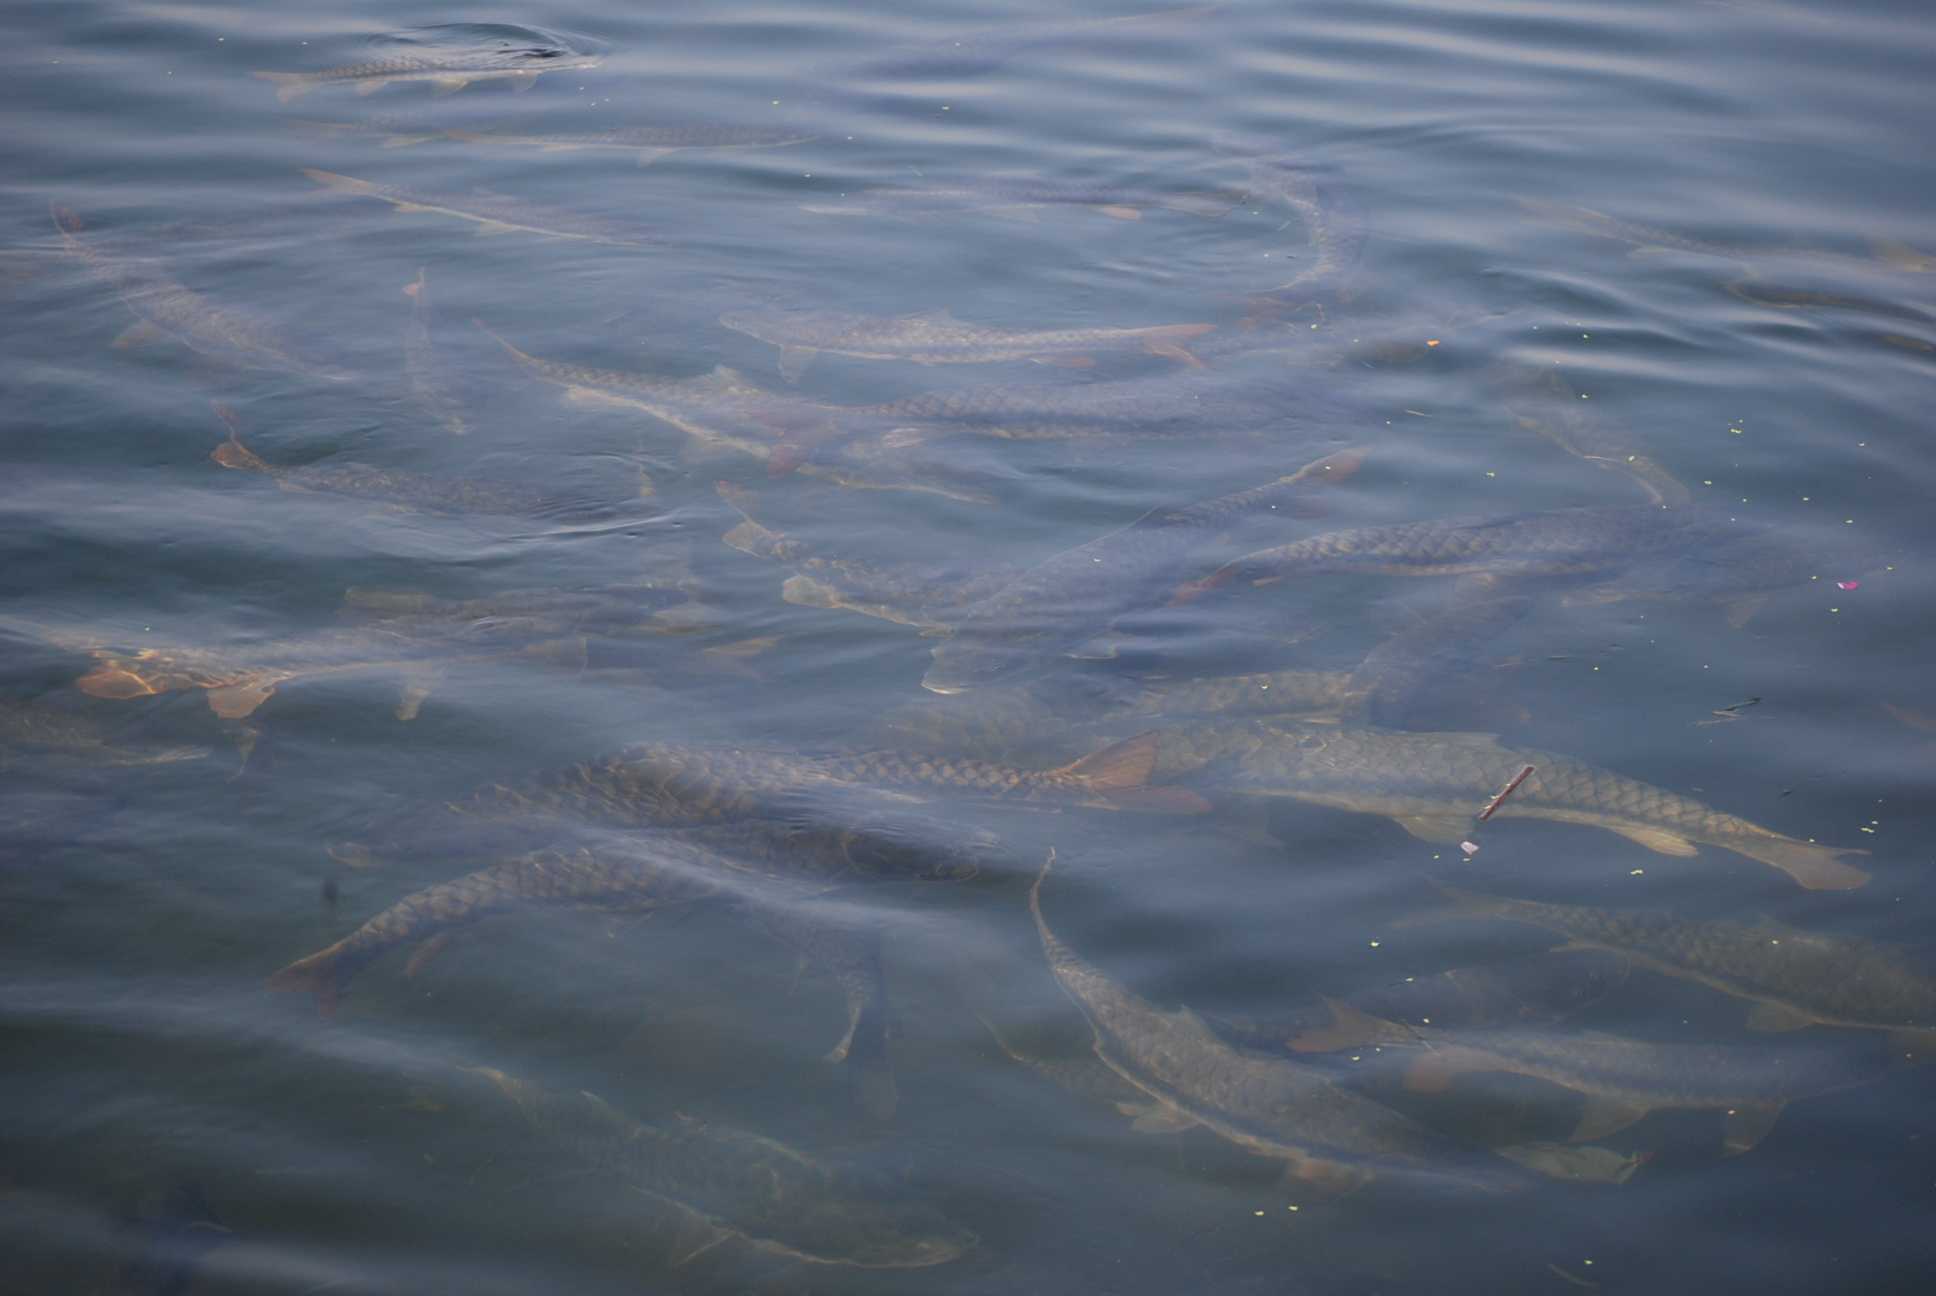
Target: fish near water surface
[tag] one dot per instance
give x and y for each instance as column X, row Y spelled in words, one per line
column 1395, row 674
column 1433, row 785
column 497, row 213
column 977, row 52
column 1891, row 257
column 446, row 72
column 225, row 331
column 1795, row 978
column 650, row 142
column 1738, row 576
column 438, row 375
column 1066, row 600
column 1334, row 219
column 1332, row 1138
column 737, row 1184
column 30, row 730
column 1013, row 197
column 936, row 337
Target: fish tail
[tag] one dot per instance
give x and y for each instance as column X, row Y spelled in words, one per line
column 293, row 85
column 322, row 974
column 113, row 679
column 1819, row 868
column 337, row 183
column 67, row 220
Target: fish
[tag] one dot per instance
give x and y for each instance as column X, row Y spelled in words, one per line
column 650, row 142
column 1397, row 672
column 1335, row 221
column 1562, row 543
column 978, row 52
column 1738, row 576
column 34, row 729
column 1795, row 979
column 170, row 1247
column 225, row 331
column 396, row 130
column 1890, row 256
column 1780, row 298
column 1331, row 1137
column 1068, row 599
column 730, row 1183
column 1013, row 197
column 426, row 492
column 497, row 213
column 1543, row 402
column 1432, row 785
column 447, row 73
column 1535, row 988
column 1623, row 1079
column 428, row 358
column 540, row 625
column 936, row 337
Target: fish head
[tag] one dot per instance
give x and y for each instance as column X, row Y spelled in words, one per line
column 960, row 665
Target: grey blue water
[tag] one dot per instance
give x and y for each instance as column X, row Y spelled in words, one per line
column 1488, row 259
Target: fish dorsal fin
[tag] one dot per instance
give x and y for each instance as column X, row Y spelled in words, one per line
column 1126, row 764
column 1604, row 1116
column 939, row 315
column 1741, row 611
column 1437, row 827
column 1350, row 1027
column 139, row 334
column 1778, row 1019
column 1746, row 1124
column 696, row 1235
column 1656, row 839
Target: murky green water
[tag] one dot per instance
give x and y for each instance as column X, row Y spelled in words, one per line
column 1744, row 312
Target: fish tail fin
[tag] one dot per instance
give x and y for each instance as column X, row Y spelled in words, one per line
column 291, row 85
column 336, row 183
column 67, row 220
column 113, row 679
column 1819, row 868
column 1465, row 904
column 321, row 974
column 1121, row 772
column 1168, row 340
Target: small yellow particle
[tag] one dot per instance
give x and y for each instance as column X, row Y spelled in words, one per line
column 1636, row 873
column 1260, row 1212
column 1294, row 1208
column 1868, row 830
column 1492, row 474
column 1374, row 944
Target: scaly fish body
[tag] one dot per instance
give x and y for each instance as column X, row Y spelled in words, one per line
column 938, row 338
column 974, row 53
column 1334, row 219
column 1891, row 257
column 1011, row 197
column 498, row 213
column 1538, row 987
column 1433, row 785
column 447, row 73
column 1562, row 543
column 222, row 330
column 650, row 142
column 1795, row 978
column 1066, row 600
column 31, row 729
column 780, row 1200
column 1398, row 671
column 1270, row 1106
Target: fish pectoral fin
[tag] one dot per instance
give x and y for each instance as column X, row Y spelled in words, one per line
column 491, row 229
column 417, row 686
column 696, row 1236
column 1324, row 1175
column 451, row 85
column 794, row 361
column 523, row 81
column 1248, row 819
column 1157, row 1118
column 1656, row 839
column 139, row 334
column 371, row 86
column 234, row 701
column 1351, row 1027
column 1741, row 611
column 1435, row 828
column 1746, row 1124
column 1604, row 1116
column 1120, row 212
column 1778, row 1019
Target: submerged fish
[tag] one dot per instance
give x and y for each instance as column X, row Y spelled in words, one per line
column 1334, row 220
column 1331, row 1137
column 1795, row 978
column 1432, row 785
column 650, row 142
column 497, row 213
column 1623, row 1079
column 1537, row 987
column 224, row 331
column 541, row 625
column 731, row 1183
column 34, row 729
column 1397, row 672
column 1542, row 401
column 1012, row 197
column 447, row 73
column 170, row 1247
column 1890, row 256
column 976, row 52
column 436, row 377
column 1739, row 576
column 936, row 337
column 1066, row 600
column 1563, row 543
column 425, row 492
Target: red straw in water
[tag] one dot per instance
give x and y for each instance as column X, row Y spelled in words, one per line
column 1518, row 778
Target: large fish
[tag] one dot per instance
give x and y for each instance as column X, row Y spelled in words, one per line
column 1794, row 978
column 1331, row 1137
column 731, row 1183
column 1623, row 1079
column 1537, row 987
column 936, row 337
column 497, row 213
column 650, row 142
column 1891, row 257
column 438, row 377
column 1066, row 600
column 33, row 729
column 222, row 330
column 1334, row 219
column 650, row 785
column 1739, row 576
column 1564, row 543
column 1433, row 785
column 540, row 625
column 1395, row 674
column 426, row 492
column 1542, row 401
column 1013, row 197
column 446, row 72
column 977, row 52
